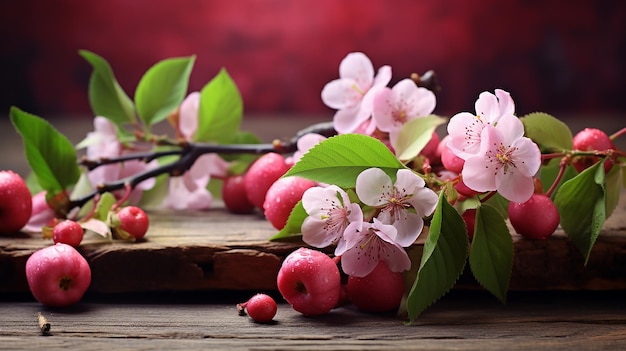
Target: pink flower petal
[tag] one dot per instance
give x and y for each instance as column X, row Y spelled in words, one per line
column 505, row 102
column 487, row 107
column 465, row 131
column 341, row 94
column 188, row 115
column 358, row 67
column 345, row 120
column 371, row 245
column 370, row 184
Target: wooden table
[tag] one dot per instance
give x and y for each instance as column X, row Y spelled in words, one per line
column 178, row 290
column 463, row 320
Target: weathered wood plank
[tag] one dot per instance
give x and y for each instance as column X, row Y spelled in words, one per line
column 463, row 320
column 216, row 250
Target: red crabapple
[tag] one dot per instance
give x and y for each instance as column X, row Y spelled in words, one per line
column 469, row 217
column 590, row 139
column 58, row 275
column 131, row 220
column 536, row 218
column 309, row 281
column 68, row 232
column 15, row 202
column 281, row 198
column 234, row 195
column 379, row 291
column 260, row 307
column 262, row 174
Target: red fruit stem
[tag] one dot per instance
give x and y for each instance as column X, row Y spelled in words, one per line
column 550, row 156
column 120, row 202
column 618, row 134
column 559, row 176
column 488, row 196
column 241, row 308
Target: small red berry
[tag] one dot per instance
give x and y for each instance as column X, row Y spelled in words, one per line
column 234, row 195
column 281, row 198
column 450, row 161
column 15, row 202
column 469, row 216
column 592, row 139
column 536, row 218
column 379, row 291
column 261, row 308
column 132, row 220
column 262, row 174
column 68, row 232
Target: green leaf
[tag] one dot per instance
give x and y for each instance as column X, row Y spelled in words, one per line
column 106, row 202
column 491, row 254
column 221, row 110
column 547, row 131
column 443, row 259
column 414, row 136
column 294, row 223
column 612, row 189
column 161, row 90
column 339, row 160
column 582, row 207
column 50, row 154
column 106, row 96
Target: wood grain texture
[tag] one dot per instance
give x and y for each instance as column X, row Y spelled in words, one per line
column 463, row 320
column 216, row 250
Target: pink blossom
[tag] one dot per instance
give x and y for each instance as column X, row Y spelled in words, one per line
column 188, row 115
column 393, row 107
column 41, row 214
column 506, row 162
column 367, row 246
column 330, row 212
column 375, row 188
column 353, row 93
column 189, row 190
column 304, row 144
column 103, row 143
column 465, row 128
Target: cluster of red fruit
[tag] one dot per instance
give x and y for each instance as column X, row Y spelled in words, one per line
column 538, row 217
column 311, row 282
column 262, row 187
column 58, row 275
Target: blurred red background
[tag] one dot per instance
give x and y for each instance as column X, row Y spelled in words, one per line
column 562, row 57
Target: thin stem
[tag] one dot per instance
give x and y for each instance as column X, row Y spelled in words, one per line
column 488, row 196
column 189, row 153
column 559, row 176
column 618, row 134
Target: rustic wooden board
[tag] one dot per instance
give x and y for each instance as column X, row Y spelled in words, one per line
column 216, row 250
column 462, row 320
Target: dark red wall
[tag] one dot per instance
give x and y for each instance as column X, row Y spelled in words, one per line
column 556, row 56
